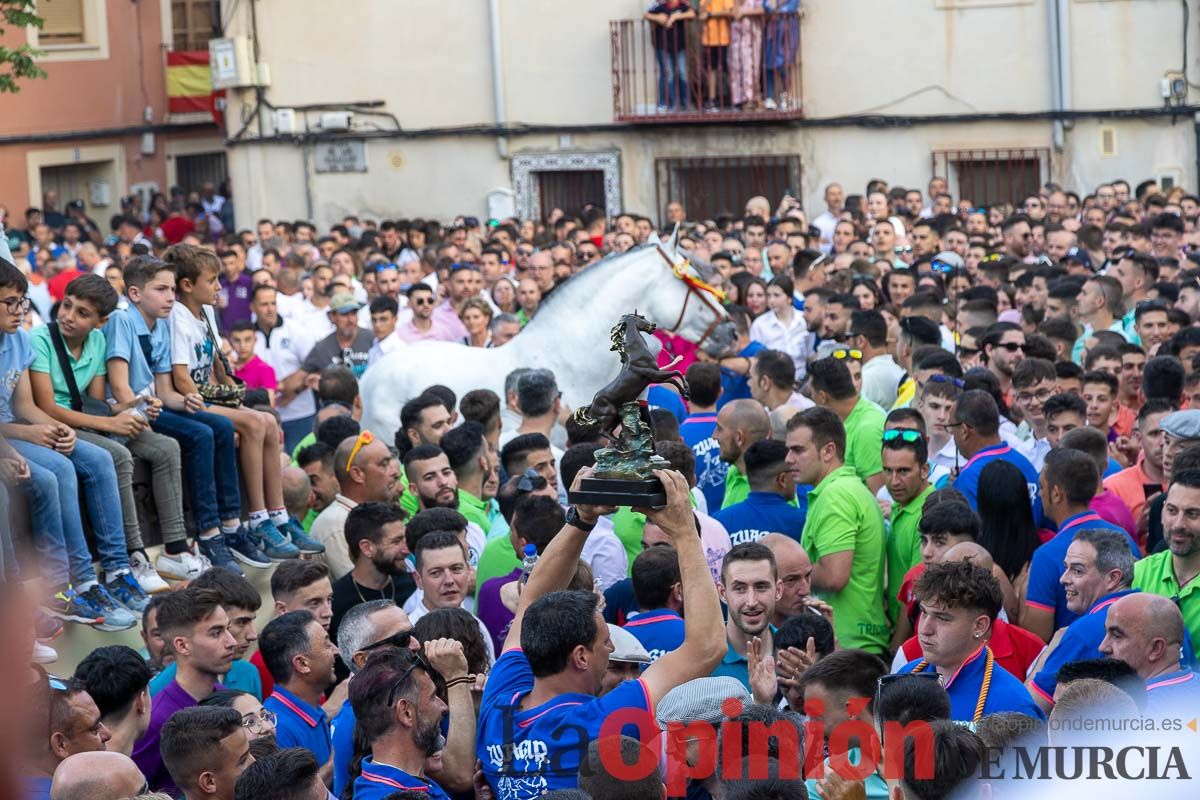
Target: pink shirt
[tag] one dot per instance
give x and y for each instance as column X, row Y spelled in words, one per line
column 436, row 333
column 448, row 317
column 1112, row 509
column 257, row 374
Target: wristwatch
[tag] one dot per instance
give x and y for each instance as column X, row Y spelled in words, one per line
column 575, row 521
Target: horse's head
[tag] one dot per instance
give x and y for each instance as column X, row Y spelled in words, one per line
column 642, row 324
column 683, row 302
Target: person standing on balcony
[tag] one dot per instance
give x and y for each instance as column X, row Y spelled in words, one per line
column 715, row 39
column 782, row 45
column 669, row 35
column 745, row 54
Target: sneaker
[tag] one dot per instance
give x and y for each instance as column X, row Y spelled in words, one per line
column 46, row 628
column 272, row 542
column 124, row 588
column 219, row 553
column 145, row 575
column 109, row 614
column 180, row 566
column 69, row 606
column 43, row 654
column 245, row 548
column 769, row 104
column 307, row 545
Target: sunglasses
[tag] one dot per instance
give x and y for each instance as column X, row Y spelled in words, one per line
column 902, row 250
column 941, row 266
column 958, row 382
column 57, row 684
column 421, row 301
column 903, row 434
column 400, row 640
column 458, row 267
column 531, row 481
column 1011, row 347
column 364, row 438
column 844, row 353
column 419, row 662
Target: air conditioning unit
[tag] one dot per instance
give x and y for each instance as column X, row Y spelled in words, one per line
column 336, row 120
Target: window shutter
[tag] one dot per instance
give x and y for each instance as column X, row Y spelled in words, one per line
column 63, row 21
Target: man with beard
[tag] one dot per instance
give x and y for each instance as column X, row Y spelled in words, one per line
column 366, row 472
column 750, row 588
column 740, row 423
column 375, row 537
column 1172, row 572
column 467, row 453
column 1003, row 349
column 300, row 657
column 399, row 712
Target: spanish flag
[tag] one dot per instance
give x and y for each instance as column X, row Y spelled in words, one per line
column 189, row 85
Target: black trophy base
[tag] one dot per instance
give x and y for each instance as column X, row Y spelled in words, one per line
column 616, row 492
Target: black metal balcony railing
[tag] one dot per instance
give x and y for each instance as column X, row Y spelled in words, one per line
column 707, row 69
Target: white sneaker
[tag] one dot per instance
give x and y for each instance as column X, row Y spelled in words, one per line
column 179, row 566
column 145, row 575
column 769, row 104
column 43, row 654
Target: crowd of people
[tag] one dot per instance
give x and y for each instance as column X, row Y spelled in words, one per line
column 944, row 470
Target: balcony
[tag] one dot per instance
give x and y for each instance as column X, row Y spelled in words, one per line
column 711, row 70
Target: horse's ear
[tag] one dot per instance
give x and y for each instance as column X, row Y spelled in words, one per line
column 653, row 238
column 672, row 244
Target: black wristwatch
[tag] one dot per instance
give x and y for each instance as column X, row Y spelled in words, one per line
column 575, row 521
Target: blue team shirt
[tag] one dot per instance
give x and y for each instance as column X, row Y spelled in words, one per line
column 1081, row 641
column 660, row 631
column 696, row 432
column 16, row 354
column 379, row 780
column 759, row 514
column 341, row 735
column 735, row 386
column 967, row 481
column 1006, row 692
column 1173, row 694
column 300, row 725
column 526, row 753
column 126, row 332
column 662, row 397
column 620, row 603
column 1046, row 567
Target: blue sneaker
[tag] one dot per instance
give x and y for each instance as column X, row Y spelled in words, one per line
column 124, row 588
column 99, row 603
column 272, row 542
column 218, row 552
column 69, row 606
column 245, row 548
column 307, row 545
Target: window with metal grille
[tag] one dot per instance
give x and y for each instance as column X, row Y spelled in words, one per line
column 569, row 191
column 712, row 186
column 993, row 175
column 192, row 172
column 62, row 22
column 193, row 23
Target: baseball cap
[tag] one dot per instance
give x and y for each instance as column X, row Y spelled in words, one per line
column 343, row 303
column 1079, row 256
column 1182, row 424
column 946, row 261
column 700, row 700
column 626, row 647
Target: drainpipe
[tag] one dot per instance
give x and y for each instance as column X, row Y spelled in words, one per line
column 1196, row 125
column 1056, row 94
column 497, row 75
column 1064, row 57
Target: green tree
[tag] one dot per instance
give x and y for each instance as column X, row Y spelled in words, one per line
column 18, row 62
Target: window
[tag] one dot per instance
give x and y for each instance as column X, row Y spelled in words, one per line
column 993, row 175
column 709, row 187
column 63, row 22
column 570, row 191
column 193, row 23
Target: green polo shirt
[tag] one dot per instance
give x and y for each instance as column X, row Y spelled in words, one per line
column 628, row 526
column 498, row 558
column 864, row 438
column 903, row 547
column 90, row 363
column 737, row 487
column 474, row 509
column 843, row 515
column 1156, row 574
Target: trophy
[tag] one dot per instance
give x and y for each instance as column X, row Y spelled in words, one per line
column 624, row 470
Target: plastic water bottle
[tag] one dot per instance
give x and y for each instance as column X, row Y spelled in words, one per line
column 531, row 557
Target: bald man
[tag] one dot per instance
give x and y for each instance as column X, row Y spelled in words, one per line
column 297, row 492
column 101, row 775
column 1015, row 648
column 1146, row 632
column 740, row 423
column 795, row 574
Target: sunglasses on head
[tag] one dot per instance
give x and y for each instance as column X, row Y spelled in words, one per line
column 364, row 438
column 958, row 382
column 844, row 353
column 886, row 680
column 531, row 481
column 458, row 267
column 903, row 434
column 419, row 662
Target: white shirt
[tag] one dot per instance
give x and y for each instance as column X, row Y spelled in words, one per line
column 947, row 457
column 288, row 305
column 313, row 319
column 383, row 346
column 791, row 338
column 881, row 380
column 254, row 257
column 827, row 222
column 605, row 554
column 285, row 349
column 419, row 610
column 191, row 344
column 799, row 402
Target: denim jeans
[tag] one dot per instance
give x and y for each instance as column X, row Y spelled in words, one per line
column 210, row 464
column 54, row 506
column 672, row 78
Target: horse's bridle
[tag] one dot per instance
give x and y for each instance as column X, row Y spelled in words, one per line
column 704, row 294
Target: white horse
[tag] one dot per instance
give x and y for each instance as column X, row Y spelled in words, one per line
column 569, row 335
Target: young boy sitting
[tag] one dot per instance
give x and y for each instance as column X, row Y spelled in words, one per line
column 139, row 368
column 57, row 462
column 193, row 364
column 88, row 301
column 256, row 373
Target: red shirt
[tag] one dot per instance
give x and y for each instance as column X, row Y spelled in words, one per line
column 1015, row 648
column 58, row 284
column 268, row 683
